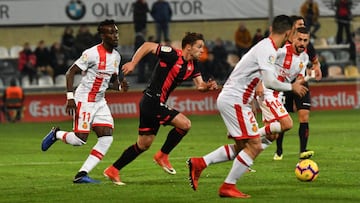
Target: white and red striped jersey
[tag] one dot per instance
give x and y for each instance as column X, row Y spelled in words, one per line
column 289, row 65
column 246, row 75
column 98, row 66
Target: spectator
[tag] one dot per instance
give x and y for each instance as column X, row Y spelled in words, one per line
column 310, row 12
column 161, row 13
column 13, row 100
column 220, row 66
column 84, row 39
column 258, row 36
column 140, row 10
column 68, row 41
column 27, row 63
column 343, row 18
column 141, row 66
column 59, row 59
column 204, row 64
column 242, row 39
column 324, row 66
column 43, row 66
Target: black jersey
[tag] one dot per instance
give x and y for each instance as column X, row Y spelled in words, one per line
column 170, row 71
column 310, row 50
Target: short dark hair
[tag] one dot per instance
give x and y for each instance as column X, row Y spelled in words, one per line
column 295, row 18
column 13, row 82
column 281, row 24
column 191, row 38
column 303, row 30
column 104, row 23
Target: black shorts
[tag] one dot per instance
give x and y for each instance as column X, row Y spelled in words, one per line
column 300, row 102
column 153, row 114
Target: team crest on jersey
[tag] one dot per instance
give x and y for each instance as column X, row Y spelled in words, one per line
column 165, row 49
column 84, row 125
column 301, row 65
column 84, row 57
column 272, row 59
column 116, row 63
column 282, row 110
column 254, row 128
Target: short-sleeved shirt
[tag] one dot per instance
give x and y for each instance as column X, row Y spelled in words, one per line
column 234, row 101
column 246, row 75
column 172, row 69
column 98, row 66
column 289, row 65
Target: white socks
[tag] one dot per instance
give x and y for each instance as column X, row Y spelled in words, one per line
column 221, row 154
column 241, row 165
column 97, row 153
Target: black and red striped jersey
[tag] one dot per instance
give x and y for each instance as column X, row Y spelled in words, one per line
column 170, row 71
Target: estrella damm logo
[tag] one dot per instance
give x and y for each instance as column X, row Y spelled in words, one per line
column 75, row 9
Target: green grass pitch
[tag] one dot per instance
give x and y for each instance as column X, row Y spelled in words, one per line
column 29, row 175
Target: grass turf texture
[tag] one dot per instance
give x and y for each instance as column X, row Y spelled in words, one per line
column 29, row 175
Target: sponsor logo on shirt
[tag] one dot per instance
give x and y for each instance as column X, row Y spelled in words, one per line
column 272, row 59
column 84, row 57
column 165, row 49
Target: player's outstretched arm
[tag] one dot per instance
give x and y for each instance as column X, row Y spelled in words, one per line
column 202, row 86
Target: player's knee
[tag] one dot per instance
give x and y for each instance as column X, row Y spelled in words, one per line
column 254, row 147
column 287, row 126
column 144, row 146
column 187, row 125
column 76, row 141
column 144, row 142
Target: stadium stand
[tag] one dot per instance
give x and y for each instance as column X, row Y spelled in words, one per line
column 8, row 70
column 351, row 71
column 4, row 52
column 335, row 71
column 60, row 80
column 45, row 81
column 14, row 51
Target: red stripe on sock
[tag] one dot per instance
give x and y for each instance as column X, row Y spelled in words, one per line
column 97, row 154
column 267, row 130
column 64, row 138
column 181, row 131
column 241, row 160
column 227, row 150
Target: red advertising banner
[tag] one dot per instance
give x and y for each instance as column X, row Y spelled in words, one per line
column 335, row 96
column 51, row 106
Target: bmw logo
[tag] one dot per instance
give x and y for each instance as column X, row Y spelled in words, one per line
column 75, row 9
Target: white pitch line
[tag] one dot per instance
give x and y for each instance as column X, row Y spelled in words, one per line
column 61, row 163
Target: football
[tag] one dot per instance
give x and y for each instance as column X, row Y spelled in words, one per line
column 306, row 170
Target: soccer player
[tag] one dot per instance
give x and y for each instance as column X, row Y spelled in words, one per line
column 87, row 106
column 174, row 67
column 291, row 62
column 302, row 104
column 234, row 104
